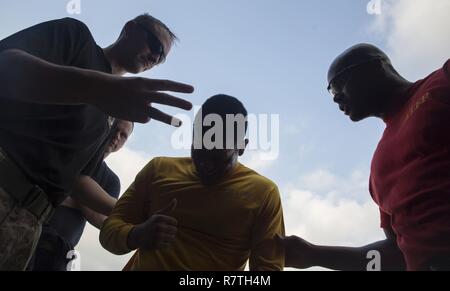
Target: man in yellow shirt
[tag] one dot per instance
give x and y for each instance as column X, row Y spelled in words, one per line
column 204, row 213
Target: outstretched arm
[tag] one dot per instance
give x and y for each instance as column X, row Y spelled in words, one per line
column 301, row 254
column 22, row 75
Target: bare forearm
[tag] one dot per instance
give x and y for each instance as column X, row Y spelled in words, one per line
column 94, row 218
column 27, row 78
column 88, row 193
column 355, row 259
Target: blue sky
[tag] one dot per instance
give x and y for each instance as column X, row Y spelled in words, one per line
column 273, row 55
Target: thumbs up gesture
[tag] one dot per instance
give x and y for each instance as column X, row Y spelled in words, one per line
column 158, row 232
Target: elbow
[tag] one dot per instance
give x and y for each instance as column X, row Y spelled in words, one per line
column 110, row 238
column 106, row 239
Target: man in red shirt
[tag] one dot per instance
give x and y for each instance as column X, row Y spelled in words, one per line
column 410, row 172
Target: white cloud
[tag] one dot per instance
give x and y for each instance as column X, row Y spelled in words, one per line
column 320, row 180
column 254, row 161
column 417, row 33
column 126, row 164
column 329, row 220
column 321, row 209
column 326, row 183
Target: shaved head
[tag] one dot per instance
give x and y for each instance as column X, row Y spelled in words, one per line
column 363, row 82
column 355, row 56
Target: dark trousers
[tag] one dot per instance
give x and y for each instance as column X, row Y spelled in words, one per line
column 51, row 252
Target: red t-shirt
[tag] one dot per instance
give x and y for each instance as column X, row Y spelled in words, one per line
column 410, row 174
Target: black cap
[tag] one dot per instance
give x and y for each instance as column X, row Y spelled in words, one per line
column 355, row 56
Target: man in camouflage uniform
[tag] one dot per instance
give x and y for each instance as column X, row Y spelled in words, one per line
column 59, row 90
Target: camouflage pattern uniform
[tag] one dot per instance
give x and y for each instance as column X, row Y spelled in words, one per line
column 19, row 232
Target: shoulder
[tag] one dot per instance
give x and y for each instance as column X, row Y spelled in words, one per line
column 266, row 195
column 437, row 86
column 165, row 164
column 77, row 28
column 174, row 162
column 166, row 161
column 112, row 181
column 264, row 187
column 446, row 67
column 45, row 31
column 446, row 70
column 70, row 28
column 110, row 173
column 256, row 177
column 67, row 23
column 70, row 23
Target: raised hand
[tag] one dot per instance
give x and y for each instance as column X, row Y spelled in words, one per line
column 132, row 98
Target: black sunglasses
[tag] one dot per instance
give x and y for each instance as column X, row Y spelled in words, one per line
column 338, row 84
column 154, row 44
column 341, row 80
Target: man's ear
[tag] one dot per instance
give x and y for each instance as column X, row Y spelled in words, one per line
column 241, row 151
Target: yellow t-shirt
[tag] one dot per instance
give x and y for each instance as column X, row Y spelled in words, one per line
column 220, row 227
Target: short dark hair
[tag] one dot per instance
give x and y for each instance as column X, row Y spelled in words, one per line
column 225, row 106
column 146, row 20
column 222, row 105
